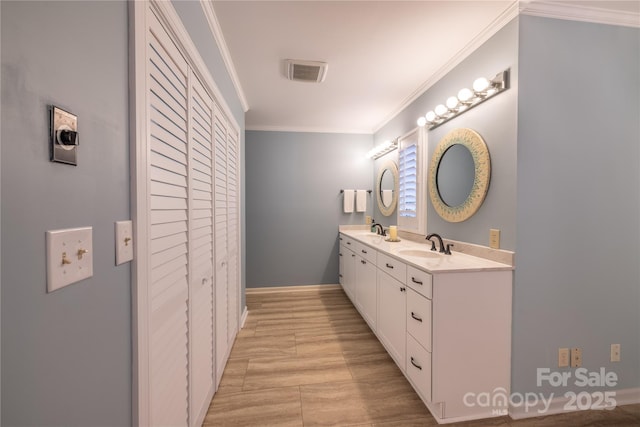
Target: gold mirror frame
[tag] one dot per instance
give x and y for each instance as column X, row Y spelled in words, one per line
column 391, row 166
column 482, row 162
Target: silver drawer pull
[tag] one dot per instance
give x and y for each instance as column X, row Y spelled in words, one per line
column 415, row 364
column 413, row 279
column 389, row 265
column 416, row 317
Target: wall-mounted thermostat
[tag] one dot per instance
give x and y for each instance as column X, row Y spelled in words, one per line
column 63, row 137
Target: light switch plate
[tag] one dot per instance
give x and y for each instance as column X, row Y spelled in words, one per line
column 615, row 352
column 124, row 242
column 69, row 256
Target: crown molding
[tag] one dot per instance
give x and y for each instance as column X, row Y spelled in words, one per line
column 214, row 26
column 579, row 12
column 496, row 25
column 310, row 129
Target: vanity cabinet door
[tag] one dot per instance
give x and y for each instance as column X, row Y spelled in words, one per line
column 349, row 273
column 392, row 308
column 366, row 292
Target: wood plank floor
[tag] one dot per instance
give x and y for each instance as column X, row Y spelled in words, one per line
column 306, row 358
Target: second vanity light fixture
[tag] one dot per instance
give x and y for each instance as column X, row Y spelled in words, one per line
column 382, row 149
column 483, row 89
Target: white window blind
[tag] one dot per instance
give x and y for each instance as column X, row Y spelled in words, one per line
column 411, row 195
column 408, row 182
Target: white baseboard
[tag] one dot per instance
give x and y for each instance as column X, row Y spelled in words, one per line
column 243, row 319
column 302, row 288
column 562, row 404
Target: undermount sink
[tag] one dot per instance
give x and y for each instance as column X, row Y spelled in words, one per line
column 419, row 253
column 375, row 238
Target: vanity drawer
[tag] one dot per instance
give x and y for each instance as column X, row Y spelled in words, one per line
column 347, row 241
column 420, row 281
column 393, row 267
column 419, row 368
column 365, row 252
column 419, row 318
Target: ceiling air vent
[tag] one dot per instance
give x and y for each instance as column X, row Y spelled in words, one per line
column 306, row 71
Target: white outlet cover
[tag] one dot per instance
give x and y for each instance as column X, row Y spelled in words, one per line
column 124, row 242
column 75, row 247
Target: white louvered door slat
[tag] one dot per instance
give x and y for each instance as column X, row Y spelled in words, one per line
column 220, row 231
column 201, row 244
column 168, row 231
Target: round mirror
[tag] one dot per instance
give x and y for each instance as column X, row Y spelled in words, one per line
column 459, row 175
column 456, row 173
column 387, row 187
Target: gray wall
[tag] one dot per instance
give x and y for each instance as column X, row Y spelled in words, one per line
column 193, row 18
column 577, row 277
column 66, row 356
column 294, row 205
column 495, row 120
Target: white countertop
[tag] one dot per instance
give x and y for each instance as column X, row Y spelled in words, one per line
column 435, row 263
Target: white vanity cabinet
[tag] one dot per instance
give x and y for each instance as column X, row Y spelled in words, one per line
column 365, row 284
column 347, row 267
column 447, row 325
column 471, row 343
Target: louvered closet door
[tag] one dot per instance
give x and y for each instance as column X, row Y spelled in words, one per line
column 233, row 214
column 201, row 244
column 220, row 232
column 168, row 234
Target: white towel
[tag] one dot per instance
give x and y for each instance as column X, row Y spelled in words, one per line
column 387, row 197
column 348, row 201
column 361, row 200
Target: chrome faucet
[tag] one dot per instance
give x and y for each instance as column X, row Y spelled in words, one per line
column 443, row 249
column 380, row 229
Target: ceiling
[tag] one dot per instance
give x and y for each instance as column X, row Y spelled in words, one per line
column 381, row 55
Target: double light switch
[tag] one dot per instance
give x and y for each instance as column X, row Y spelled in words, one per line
column 69, row 256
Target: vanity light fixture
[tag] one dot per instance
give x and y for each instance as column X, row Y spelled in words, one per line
column 483, row 89
column 382, row 149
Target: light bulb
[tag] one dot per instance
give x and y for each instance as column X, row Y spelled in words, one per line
column 480, row 85
column 422, row 121
column 441, row 110
column 430, row 116
column 452, row 102
column 465, row 95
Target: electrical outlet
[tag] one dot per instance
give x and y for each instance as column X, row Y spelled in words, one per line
column 368, row 220
column 494, row 238
column 615, row 352
column 563, row 357
column 576, row 357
